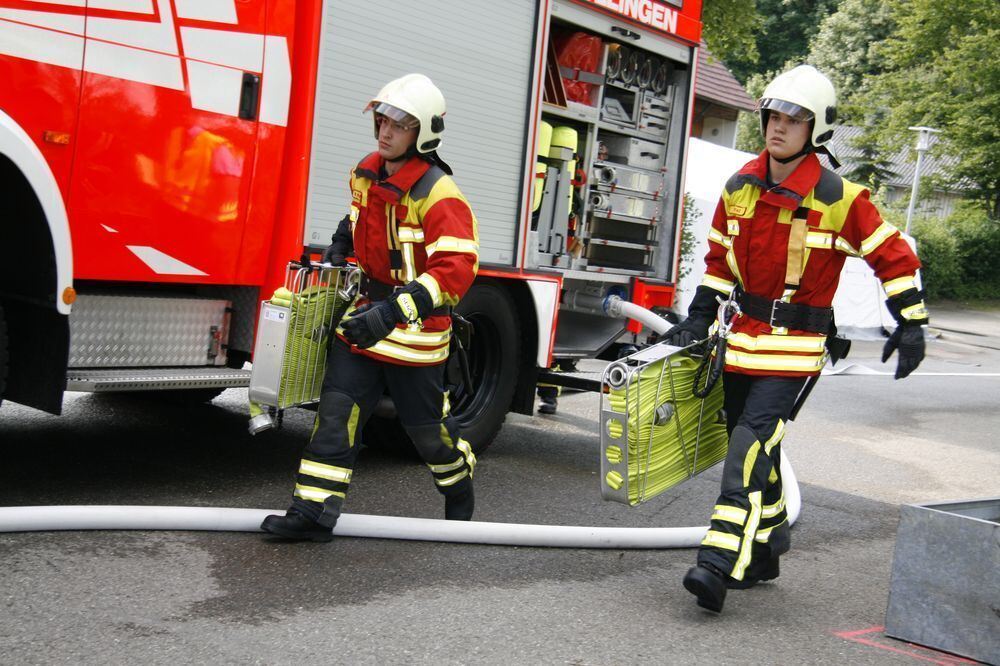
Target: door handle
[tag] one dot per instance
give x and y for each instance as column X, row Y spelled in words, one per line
column 249, row 95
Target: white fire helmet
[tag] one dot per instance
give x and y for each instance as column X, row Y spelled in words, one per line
column 412, row 98
column 805, row 94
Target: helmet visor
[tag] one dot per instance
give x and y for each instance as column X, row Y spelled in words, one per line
column 402, row 118
column 787, row 108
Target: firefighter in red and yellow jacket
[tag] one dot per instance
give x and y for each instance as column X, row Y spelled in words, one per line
column 779, row 238
column 415, row 237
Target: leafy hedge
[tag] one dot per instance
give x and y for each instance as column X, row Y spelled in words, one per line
column 960, row 254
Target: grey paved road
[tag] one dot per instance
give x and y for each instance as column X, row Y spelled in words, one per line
column 864, row 445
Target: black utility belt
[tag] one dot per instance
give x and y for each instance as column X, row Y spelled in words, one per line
column 780, row 314
column 374, row 290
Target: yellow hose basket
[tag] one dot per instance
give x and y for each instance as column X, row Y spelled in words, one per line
column 655, row 433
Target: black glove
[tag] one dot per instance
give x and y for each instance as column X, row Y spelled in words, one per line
column 909, row 341
column 908, row 338
column 342, row 244
column 370, row 323
column 701, row 314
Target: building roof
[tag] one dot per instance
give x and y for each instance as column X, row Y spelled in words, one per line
column 714, row 83
column 902, row 164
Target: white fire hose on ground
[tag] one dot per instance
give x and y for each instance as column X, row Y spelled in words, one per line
column 57, row 518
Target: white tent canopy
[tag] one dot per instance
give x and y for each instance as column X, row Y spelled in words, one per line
column 859, row 302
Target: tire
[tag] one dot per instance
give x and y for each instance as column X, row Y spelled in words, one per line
column 3, row 354
column 494, row 359
column 493, row 364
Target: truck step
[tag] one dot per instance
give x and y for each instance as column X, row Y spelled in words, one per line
column 153, row 379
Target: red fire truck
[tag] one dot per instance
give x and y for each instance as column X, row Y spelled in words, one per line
column 162, row 161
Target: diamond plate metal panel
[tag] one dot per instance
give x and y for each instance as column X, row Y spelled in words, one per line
column 147, row 331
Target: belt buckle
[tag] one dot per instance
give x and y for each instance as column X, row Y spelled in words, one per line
column 774, row 312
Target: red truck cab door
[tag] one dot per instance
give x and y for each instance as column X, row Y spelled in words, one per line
column 170, row 105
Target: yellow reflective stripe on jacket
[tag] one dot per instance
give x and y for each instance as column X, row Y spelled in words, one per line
column 319, row 470
column 409, row 263
column 392, row 350
column 716, row 236
column 803, row 343
column 432, row 287
column 846, row 247
column 753, row 361
column 753, row 520
column 721, row 540
column 411, row 235
column 918, row 311
column 717, row 283
column 427, row 339
column 732, row 514
column 314, row 494
column 899, row 285
column 819, row 240
column 453, row 244
column 884, row 232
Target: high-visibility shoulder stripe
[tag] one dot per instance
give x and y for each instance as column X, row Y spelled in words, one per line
column 884, row 232
column 899, row 285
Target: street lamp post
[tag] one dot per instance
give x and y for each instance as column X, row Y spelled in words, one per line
column 923, row 145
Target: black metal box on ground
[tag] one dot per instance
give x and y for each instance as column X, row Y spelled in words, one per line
column 945, row 587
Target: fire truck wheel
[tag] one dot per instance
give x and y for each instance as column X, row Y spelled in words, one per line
column 495, row 348
column 3, row 354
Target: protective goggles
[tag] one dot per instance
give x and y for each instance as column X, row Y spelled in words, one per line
column 781, row 106
column 401, row 121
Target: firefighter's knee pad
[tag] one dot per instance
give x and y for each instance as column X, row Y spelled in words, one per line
column 741, row 444
column 338, row 421
column 434, row 442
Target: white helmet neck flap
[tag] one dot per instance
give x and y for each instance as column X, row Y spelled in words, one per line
column 805, row 94
column 416, row 96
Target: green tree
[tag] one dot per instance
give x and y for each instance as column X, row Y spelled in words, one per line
column 844, row 49
column 785, row 30
column 729, row 27
column 748, row 136
column 942, row 69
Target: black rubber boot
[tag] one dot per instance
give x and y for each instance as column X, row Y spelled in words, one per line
column 708, row 585
column 547, row 406
column 460, row 505
column 296, row 527
column 758, row 572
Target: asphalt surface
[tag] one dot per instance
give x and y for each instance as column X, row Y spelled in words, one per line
column 863, row 445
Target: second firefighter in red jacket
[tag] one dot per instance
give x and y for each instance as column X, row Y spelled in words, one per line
column 781, row 233
column 415, row 237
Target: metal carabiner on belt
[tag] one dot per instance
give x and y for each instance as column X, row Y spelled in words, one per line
column 729, row 311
